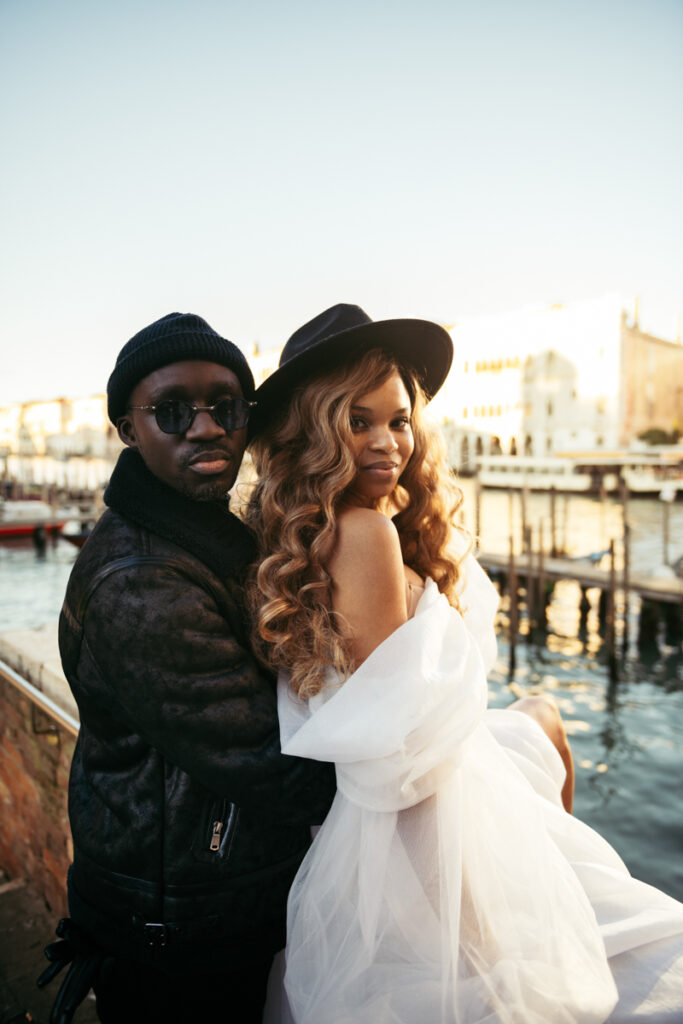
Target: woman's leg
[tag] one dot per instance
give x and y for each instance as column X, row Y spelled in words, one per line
column 546, row 712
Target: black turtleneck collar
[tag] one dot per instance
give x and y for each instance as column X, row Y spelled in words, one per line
column 207, row 529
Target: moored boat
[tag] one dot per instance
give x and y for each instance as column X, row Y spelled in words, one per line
column 23, row 518
column 535, row 473
column 651, row 474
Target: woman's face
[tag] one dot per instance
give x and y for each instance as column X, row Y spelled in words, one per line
column 382, row 441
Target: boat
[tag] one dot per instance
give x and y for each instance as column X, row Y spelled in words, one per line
column 23, row 518
column 79, row 535
column 533, row 473
column 657, row 472
column 654, row 474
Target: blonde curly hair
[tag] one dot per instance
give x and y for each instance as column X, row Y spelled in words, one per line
column 304, row 463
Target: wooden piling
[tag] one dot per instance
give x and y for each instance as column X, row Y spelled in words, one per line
column 513, row 613
column 627, row 560
column 39, row 540
column 672, row 615
column 603, row 608
column 648, row 625
column 523, row 497
column 584, row 609
column 541, row 620
column 531, row 595
column 611, row 634
column 477, row 510
column 665, row 530
column 553, row 523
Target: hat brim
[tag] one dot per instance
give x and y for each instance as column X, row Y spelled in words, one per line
column 418, row 345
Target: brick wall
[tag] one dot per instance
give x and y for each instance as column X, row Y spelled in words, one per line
column 35, row 841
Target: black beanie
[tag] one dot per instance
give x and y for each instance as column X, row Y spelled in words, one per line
column 174, row 338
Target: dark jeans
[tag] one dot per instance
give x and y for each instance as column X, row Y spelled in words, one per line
column 137, row 994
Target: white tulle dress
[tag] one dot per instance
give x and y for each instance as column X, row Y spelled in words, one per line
column 447, row 884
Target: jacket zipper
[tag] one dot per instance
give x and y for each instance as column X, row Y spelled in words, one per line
column 225, row 823
column 216, row 836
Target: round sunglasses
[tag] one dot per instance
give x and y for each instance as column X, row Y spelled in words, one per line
column 174, row 416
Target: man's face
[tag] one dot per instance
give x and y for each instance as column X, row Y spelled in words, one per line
column 202, row 462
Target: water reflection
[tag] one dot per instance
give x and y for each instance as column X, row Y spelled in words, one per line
column 627, row 735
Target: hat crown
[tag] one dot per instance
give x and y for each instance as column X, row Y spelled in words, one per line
column 335, row 320
column 167, row 327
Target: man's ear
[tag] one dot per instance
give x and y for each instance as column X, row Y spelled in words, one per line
column 126, row 431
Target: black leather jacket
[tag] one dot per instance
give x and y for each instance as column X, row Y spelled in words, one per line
column 188, row 823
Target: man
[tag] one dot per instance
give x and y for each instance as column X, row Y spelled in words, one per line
column 188, row 823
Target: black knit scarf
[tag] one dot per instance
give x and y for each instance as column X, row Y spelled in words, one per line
column 207, row 529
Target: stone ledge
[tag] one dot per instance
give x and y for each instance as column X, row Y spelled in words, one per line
column 34, row 654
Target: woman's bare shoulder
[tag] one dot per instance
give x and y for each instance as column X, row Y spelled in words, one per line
column 368, row 582
column 365, row 532
column 361, row 520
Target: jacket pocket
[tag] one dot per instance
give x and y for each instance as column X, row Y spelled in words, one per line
column 216, row 832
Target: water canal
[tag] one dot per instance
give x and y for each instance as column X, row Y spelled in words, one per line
column 627, row 737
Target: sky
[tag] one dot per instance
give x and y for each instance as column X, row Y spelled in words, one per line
column 258, row 162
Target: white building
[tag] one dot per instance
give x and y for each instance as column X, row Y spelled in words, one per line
column 559, row 379
column 65, row 442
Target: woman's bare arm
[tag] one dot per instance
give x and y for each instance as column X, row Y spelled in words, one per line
column 368, row 579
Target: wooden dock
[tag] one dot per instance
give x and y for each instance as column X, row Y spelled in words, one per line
column 586, row 574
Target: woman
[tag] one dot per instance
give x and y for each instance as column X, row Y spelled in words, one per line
column 447, row 883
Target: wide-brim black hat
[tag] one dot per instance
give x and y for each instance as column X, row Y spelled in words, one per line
column 342, row 334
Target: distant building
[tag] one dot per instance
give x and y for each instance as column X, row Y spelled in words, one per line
column 564, row 378
column 559, row 379
column 66, row 442
column 652, row 394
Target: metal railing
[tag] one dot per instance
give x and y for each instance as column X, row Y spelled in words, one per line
column 40, row 699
